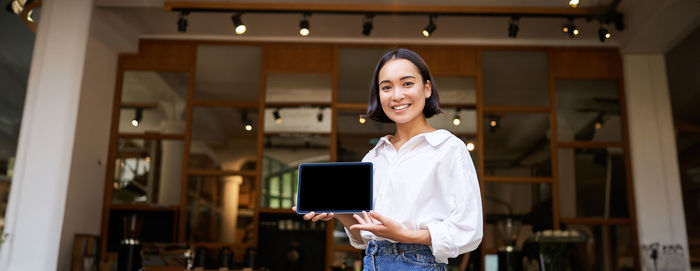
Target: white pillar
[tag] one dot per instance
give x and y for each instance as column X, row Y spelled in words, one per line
column 657, row 186
column 44, row 153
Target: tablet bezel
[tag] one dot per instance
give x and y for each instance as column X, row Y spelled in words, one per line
column 371, row 185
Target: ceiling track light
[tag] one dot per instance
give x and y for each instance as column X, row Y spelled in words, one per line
column 573, row 3
column 430, row 28
column 138, row 117
column 367, row 25
column 17, row 6
column 603, row 34
column 276, row 114
column 304, row 26
column 238, row 26
column 513, row 27
column 571, row 29
column 456, row 120
column 182, row 22
column 319, row 117
column 362, row 120
column 247, row 123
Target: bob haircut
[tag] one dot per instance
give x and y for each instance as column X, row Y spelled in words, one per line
column 374, row 107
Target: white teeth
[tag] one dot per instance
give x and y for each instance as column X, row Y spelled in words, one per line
column 400, row 107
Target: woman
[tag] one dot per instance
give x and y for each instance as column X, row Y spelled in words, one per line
column 427, row 203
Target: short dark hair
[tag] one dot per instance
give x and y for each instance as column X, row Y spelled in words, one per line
column 374, row 107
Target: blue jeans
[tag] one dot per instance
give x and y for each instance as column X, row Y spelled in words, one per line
column 385, row 255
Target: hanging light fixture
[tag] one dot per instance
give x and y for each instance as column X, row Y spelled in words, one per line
column 182, row 22
column 570, row 29
column 513, row 27
column 238, row 26
column 456, row 120
column 470, row 145
column 430, row 28
column 362, row 120
column 277, row 116
column 304, row 26
column 138, row 117
column 573, row 3
column 368, row 24
column 603, row 34
column 247, row 123
column 319, row 117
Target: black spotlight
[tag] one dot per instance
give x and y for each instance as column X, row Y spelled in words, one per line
column 428, row 30
column 319, row 117
column 17, row 6
column 138, row 117
column 603, row 34
column 238, row 26
column 570, row 29
column 513, row 27
column 304, row 26
column 182, row 22
column 367, row 25
column 277, row 116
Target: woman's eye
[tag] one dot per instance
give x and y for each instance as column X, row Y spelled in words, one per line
column 385, row 88
column 407, row 84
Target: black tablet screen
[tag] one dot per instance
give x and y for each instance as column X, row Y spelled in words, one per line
column 335, row 187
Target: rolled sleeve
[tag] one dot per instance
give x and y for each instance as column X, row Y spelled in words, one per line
column 462, row 230
column 358, row 244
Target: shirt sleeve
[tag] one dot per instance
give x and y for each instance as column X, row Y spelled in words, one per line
column 358, row 244
column 462, row 230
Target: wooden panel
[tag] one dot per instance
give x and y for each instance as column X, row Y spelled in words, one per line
column 162, row 55
column 448, row 61
column 586, row 63
column 508, row 179
column 298, row 58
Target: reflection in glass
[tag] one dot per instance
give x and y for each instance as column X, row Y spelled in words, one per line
column 517, row 144
column 344, row 260
column 456, row 90
column 608, row 247
column 592, row 183
column 281, row 158
column 298, row 120
column 588, row 110
column 516, row 78
column 161, row 98
column 220, row 140
column 355, row 139
column 219, row 209
column 147, row 171
column 467, row 121
column 287, row 88
column 355, row 68
column 227, row 73
column 529, row 204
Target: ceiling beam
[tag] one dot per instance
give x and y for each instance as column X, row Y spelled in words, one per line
column 382, row 9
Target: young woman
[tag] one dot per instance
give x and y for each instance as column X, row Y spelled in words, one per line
column 427, row 202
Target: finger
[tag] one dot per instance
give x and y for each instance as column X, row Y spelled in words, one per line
column 294, row 208
column 329, row 217
column 376, row 217
column 309, row 216
column 359, row 219
column 367, row 218
column 318, row 217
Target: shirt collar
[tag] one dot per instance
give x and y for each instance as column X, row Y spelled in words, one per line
column 434, row 138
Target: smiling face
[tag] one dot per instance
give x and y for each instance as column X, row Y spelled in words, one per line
column 402, row 91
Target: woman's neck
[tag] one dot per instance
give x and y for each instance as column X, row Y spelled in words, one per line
column 406, row 131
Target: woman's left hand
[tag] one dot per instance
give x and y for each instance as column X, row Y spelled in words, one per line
column 379, row 225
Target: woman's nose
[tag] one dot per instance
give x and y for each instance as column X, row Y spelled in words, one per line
column 397, row 95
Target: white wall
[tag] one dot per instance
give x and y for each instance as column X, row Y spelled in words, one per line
column 83, row 213
column 657, row 190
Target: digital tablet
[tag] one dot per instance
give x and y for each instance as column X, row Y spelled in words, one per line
column 334, row 188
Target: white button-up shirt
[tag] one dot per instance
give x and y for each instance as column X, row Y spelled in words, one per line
column 430, row 183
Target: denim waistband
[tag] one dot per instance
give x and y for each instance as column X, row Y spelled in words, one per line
column 375, row 247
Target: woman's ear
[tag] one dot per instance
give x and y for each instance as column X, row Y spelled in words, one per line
column 428, row 89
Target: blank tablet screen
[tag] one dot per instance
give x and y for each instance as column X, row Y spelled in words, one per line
column 334, row 187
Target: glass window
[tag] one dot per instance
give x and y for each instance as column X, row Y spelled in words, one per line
column 298, row 120
column 153, row 102
column 456, row 90
column 355, row 69
column 515, row 78
column 148, row 171
column 517, row 144
column 281, row 158
column 221, row 139
column 289, row 88
column 529, row 205
column 588, row 110
column 592, row 183
column 219, row 209
column 607, row 247
column 356, row 136
column 227, row 73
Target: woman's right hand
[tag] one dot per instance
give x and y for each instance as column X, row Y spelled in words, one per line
column 316, row 217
